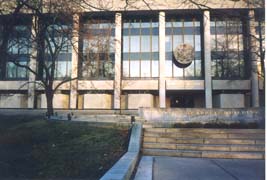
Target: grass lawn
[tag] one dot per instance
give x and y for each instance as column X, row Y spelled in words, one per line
column 31, row 147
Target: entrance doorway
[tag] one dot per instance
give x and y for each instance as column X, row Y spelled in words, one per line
column 182, row 101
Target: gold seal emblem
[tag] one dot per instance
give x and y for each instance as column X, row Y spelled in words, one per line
column 184, row 54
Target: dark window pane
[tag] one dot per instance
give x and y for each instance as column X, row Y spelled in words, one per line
column 145, row 56
column 135, row 31
column 145, row 31
column 134, row 56
column 125, row 56
column 155, row 31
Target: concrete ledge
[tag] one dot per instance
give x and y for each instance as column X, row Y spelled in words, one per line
column 26, row 111
column 124, row 168
column 203, row 115
column 145, row 169
column 135, row 140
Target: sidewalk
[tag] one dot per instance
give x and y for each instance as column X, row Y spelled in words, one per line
column 174, row 168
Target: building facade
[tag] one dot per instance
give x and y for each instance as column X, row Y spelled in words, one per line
column 124, row 59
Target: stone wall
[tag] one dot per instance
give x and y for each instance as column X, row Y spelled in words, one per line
column 97, row 101
column 229, row 101
column 60, row 101
column 140, row 100
column 13, row 100
column 203, row 115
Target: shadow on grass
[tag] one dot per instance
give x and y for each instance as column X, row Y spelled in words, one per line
column 31, row 147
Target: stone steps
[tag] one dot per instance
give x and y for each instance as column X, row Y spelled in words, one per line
column 205, row 147
column 204, row 143
column 202, row 140
column 205, row 130
column 205, row 135
column 204, row 154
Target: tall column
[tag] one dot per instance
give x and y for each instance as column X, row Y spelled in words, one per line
column 32, row 65
column 207, row 59
column 253, row 58
column 74, row 64
column 117, row 66
column 162, row 83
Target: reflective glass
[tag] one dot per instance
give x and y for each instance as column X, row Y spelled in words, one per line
column 125, row 43
column 135, row 25
column 155, row 68
column 177, row 72
column 125, row 69
column 188, row 24
column 177, row 40
column 189, row 71
column 189, row 39
column 134, row 68
column 135, row 43
column 145, row 25
column 197, row 43
column 145, row 68
column 145, row 44
column 198, row 68
column 168, row 43
column 155, row 43
column 168, row 68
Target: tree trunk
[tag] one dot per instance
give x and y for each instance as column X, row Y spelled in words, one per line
column 49, row 101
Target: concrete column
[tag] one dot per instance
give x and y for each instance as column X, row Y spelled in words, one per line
column 162, row 83
column 74, row 64
column 117, row 66
column 207, row 59
column 33, row 66
column 253, row 58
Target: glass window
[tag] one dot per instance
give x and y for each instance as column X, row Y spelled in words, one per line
column 18, row 47
column 227, row 48
column 145, row 68
column 98, row 48
column 155, row 43
column 168, row 68
column 142, row 48
column 60, row 40
column 145, row 44
column 181, row 31
column 155, row 68
column 135, row 44
column 125, row 69
column 134, row 68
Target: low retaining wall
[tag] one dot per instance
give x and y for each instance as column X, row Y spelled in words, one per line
column 124, row 168
column 203, row 115
column 19, row 111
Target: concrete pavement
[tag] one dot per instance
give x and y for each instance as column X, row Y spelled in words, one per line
column 175, row 168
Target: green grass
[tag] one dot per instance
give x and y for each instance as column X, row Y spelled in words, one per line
column 37, row 148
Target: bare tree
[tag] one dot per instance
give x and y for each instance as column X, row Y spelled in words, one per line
column 47, row 40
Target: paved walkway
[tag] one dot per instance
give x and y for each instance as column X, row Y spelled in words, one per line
column 174, row 168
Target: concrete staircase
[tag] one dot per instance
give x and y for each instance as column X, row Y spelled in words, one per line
column 204, row 143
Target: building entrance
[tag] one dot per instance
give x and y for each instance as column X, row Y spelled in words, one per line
column 182, row 101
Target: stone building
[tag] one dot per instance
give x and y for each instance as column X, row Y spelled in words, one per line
column 135, row 65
